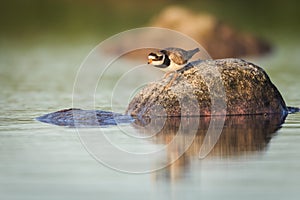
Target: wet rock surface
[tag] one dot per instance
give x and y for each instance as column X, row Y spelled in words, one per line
column 211, row 87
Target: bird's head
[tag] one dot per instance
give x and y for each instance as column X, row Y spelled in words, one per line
column 156, row 58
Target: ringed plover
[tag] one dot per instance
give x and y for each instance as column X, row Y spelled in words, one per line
column 171, row 60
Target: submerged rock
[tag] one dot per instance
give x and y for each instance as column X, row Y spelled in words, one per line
column 211, row 87
column 74, row 117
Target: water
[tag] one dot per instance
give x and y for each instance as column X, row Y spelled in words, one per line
column 42, row 161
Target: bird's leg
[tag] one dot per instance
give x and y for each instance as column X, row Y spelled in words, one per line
column 167, row 74
column 172, row 80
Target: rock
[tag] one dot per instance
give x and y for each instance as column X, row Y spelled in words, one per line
column 211, row 87
column 74, row 117
column 218, row 38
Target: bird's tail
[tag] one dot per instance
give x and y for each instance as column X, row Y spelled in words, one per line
column 292, row 110
column 193, row 51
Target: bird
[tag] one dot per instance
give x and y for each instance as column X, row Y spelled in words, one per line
column 170, row 60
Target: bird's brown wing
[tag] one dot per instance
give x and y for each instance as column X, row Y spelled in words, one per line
column 176, row 57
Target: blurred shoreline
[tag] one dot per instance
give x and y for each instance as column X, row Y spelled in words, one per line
column 71, row 20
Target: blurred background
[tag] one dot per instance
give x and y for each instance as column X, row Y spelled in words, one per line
column 73, row 20
column 56, row 35
column 44, row 42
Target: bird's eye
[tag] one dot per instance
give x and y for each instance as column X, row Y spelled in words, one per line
column 160, row 57
column 152, row 55
column 156, row 56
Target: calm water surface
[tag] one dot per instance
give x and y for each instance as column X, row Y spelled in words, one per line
column 42, row 161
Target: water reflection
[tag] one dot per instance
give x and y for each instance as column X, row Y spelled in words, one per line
column 241, row 135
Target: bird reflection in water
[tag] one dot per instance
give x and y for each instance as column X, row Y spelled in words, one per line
column 240, row 136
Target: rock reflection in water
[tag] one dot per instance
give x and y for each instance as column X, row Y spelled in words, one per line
column 240, row 135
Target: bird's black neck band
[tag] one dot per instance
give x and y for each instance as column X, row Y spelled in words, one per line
column 167, row 61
